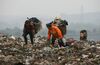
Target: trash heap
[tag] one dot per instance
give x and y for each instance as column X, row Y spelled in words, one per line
column 13, row 51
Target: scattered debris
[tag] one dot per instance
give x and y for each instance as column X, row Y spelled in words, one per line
column 15, row 52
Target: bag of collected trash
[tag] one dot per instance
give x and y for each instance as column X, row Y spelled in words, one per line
column 28, row 26
column 36, row 23
column 62, row 26
column 63, row 22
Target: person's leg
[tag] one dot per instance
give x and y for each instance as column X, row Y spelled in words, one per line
column 53, row 41
column 25, row 37
column 31, row 37
column 61, row 43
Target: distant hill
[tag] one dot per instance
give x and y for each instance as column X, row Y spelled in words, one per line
column 15, row 31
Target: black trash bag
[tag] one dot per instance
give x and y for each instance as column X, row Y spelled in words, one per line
column 62, row 26
column 37, row 24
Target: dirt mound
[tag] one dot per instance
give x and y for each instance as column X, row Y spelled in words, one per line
column 13, row 51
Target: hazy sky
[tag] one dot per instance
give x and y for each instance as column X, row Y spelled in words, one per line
column 47, row 7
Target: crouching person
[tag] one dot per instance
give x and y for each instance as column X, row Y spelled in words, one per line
column 55, row 33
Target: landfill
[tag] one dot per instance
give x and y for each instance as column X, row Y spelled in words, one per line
column 13, row 51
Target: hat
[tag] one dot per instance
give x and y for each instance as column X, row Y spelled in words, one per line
column 58, row 17
column 48, row 25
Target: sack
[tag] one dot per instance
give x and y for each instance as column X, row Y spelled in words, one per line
column 36, row 23
column 28, row 26
column 62, row 26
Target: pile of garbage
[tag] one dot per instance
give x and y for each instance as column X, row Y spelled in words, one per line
column 14, row 52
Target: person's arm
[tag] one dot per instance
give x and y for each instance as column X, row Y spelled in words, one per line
column 49, row 34
column 24, row 26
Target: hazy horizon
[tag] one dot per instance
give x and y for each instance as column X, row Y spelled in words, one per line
column 48, row 7
column 82, row 20
column 14, row 12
